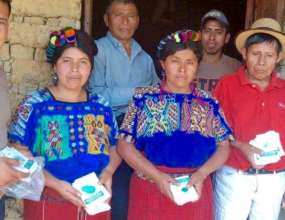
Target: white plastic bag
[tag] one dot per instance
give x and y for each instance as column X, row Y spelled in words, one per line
column 30, row 187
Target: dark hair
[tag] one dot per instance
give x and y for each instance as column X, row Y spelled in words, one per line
column 81, row 40
column 261, row 38
column 180, row 40
column 110, row 2
column 217, row 20
column 172, row 47
column 8, row 3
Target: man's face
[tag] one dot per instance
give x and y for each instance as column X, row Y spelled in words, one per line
column 122, row 20
column 214, row 37
column 4, row 17
column 261, row 60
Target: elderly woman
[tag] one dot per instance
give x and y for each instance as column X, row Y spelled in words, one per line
column 74, row 131
column 173, row 129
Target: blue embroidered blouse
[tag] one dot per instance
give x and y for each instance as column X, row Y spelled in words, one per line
column 74, row 138
column 174, row 130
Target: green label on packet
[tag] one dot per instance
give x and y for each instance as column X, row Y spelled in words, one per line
column 269, row 153
column 183, row 180
column 28, row 164
column 93, row 198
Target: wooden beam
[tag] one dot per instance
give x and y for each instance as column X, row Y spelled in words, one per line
column 249, row 15
column 88, row 15
column 280, row 11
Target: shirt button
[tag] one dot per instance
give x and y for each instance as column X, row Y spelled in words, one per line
column 262, row 104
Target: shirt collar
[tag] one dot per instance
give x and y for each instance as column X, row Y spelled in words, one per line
column 136, row 48
column 274, row 82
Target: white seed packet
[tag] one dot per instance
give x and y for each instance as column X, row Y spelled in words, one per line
column 269, row 142
column 93, row 194
column 26, row 165
column 182, row 193
column 100, row 207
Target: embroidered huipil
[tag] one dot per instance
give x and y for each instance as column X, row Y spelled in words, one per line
column 174, row 130
column 74, row 138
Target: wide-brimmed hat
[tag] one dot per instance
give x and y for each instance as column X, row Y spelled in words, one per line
column 264, row 26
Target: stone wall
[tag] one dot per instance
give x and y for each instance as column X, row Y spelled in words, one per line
column 23, row 57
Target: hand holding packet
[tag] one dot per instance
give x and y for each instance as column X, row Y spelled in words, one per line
column 93, row 194
column 25, row 165
column 30, row 187
column 182, row 193
column 269, row 142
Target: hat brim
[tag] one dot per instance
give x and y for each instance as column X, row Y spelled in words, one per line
column 242, row 37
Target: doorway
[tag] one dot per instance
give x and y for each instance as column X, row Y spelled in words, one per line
column 160, row 17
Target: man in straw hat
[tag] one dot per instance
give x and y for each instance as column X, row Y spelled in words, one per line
column 253, row 99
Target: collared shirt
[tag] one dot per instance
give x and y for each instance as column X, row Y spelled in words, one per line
column 116, row 75
column 209, row 73
column 251, row 111
column 5, row 109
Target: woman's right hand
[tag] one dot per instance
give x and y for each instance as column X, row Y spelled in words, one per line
column 69, row 193
column 163, row 182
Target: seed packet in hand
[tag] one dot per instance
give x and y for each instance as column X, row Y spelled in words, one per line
column 93, row 194
column 182, row 193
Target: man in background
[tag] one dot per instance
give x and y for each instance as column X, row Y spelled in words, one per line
column 214, row 64
column 120, row 66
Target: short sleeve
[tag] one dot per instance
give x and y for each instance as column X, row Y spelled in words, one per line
column 22, row 127
column 112, row 127
column 113, row 133
column 221, row 129
column 128, row 128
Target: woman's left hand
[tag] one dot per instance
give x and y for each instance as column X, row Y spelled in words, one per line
column 106, row 179
column 197, row 178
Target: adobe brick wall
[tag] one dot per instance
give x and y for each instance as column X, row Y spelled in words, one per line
column 23, row 57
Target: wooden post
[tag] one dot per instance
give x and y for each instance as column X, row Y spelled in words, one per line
column 263, row 8
column 88, row 15
column 280, row 11
column 249, row 16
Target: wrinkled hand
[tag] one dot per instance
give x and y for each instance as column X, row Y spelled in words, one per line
column 163, row 182
column 249, row 150
column 69, row 193
column 106, row 180
column 9, row 175
column 197, row 178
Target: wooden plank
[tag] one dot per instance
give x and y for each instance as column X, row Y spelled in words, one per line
column 265, row 8
column 249, row 15
column 87, row 16
column 280, row 12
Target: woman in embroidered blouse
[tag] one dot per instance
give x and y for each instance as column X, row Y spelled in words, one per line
column 170, row 130
column 74, row 131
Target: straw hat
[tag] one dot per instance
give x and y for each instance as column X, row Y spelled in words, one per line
column 265, row 26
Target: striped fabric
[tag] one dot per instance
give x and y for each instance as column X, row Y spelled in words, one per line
column 53, row 207
column 147, row 203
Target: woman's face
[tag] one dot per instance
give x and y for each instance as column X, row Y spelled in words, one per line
column 73, row 69
column 180, row 69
